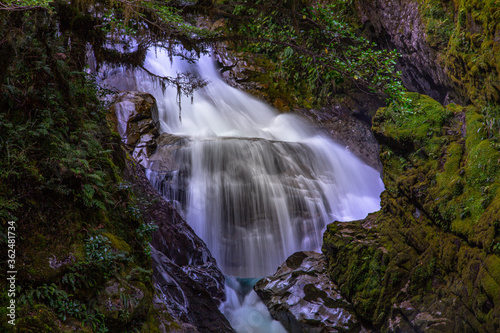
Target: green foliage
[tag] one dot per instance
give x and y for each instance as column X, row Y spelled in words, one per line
column 59, row 174
column 144, row 234
column 65, row 306
column 52, row 139
column 26, row 4
column 98, row 249
column 101, row 262
column 316, row 49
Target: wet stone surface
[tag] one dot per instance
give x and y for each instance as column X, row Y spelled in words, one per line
column 301, row 296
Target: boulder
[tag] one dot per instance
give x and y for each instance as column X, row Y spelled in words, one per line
column 302, row 297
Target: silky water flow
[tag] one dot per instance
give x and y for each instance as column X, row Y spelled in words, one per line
column 254, row 184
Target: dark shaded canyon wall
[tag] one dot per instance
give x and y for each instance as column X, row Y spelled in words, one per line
column 450, row 49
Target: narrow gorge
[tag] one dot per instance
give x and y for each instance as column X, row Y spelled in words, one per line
column 253, row 167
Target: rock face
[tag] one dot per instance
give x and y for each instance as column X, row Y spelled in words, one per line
column 429, row 260
column 133, row 114
column 188, row 282
column 450, row 49
column 399, row 25
column 301, row 296
column 185, row 272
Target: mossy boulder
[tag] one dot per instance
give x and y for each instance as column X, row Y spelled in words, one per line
column 39, row 318
column 402, row 273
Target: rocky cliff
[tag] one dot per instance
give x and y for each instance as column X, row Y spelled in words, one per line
column 429, row 259
column 189, row 285
column 450, row 49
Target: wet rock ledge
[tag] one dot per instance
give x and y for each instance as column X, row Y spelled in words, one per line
column 301, row 296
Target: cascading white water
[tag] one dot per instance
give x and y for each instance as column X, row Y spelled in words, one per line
column 255, row 185
column 261, row 185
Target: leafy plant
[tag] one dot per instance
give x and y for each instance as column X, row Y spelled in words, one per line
column 64, row 306
column 101, row 262
column 496, row 248
column 315, row 47
column 144, row 234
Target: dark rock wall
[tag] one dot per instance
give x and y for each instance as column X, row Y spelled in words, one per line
column 398, row 24
column 450, row 49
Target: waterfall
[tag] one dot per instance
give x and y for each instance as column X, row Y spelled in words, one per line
column 254, row 184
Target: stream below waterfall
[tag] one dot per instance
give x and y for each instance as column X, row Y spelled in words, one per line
column 254, row 184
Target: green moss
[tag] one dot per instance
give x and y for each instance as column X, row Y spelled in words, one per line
column 482, row 164
column 450, row 183
column 453, row 178
column 443, row 160
column 117, row 242
column 490, row 285
column 475, row 128
column 465, row 33
column 438, row 20
column 39, row 318
column 411, row 128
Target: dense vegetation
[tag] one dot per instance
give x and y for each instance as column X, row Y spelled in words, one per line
column 316, row 48
column 78, row 223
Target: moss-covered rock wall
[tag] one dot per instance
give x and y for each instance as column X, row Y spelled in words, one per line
column 429, row 260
